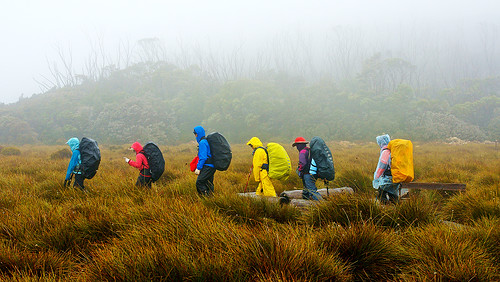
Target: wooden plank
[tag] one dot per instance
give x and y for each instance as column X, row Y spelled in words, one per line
column 297, row 194
column 434, row 186
column 300, row 203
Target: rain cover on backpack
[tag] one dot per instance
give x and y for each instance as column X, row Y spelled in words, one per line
column 279, row 162
column 90, row 155
column 323, row 158
column 155, row 160
column 220, row 151
column 401, row 160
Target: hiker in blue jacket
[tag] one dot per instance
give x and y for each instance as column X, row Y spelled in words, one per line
column 205, row 169
column 74, row 165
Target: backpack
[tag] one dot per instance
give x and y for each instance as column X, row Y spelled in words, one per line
column 90, row 156
column 220, row 150
column 279, row 162
column 323, row 158
column 401, row 160
column 155, row 160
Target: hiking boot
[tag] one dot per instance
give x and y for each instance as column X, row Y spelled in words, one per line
column 284, row 199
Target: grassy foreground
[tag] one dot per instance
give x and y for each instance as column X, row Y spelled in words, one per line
column 116, row 231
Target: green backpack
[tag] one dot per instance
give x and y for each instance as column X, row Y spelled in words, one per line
column 278, row 160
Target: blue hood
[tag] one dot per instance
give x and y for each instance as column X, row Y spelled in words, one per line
column 73, row 143
column 200, row 131
column 383, row 140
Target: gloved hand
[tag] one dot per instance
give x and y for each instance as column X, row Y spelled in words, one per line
column 126, row 159
column 197, row 171
column 66, row 183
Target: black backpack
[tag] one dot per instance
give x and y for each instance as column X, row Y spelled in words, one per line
column 155, row 160
column 90, row 155
column 220, row 150
column 323, row 158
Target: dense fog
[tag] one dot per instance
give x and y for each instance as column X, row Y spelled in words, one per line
column 346, row 71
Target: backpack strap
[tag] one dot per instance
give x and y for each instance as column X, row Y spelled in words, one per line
column 264, row 166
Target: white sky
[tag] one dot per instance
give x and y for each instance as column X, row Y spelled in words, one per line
column 30, row 29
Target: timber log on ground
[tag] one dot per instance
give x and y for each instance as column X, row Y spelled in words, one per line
column 295, row 196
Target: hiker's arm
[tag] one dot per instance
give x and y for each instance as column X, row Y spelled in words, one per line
column 302, row 162
column 203, row 150
column 72, row 164
column 383, row 163
column 138, row 163
column 259, row 158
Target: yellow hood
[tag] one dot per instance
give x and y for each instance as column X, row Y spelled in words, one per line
column 255, row 143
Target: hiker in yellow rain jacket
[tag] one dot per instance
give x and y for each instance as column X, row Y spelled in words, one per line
column 260, row 167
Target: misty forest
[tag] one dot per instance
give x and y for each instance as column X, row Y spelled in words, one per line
column 342, row 84
column 438, row 86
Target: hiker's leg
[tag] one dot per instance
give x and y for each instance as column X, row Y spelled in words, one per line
column 148, row 182
column 383, row 195
column 79, row 181
column 140, row 181
column 310, row 186
column 305, row 193
column 210, row 183
column 393, row 192
column 204, row 182
column 266, row 185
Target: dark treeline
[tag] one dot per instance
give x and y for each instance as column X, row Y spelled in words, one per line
column 163, row 102
column 431, row 86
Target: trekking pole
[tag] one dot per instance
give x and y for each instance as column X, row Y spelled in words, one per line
column 248, row 179
column 327, row 191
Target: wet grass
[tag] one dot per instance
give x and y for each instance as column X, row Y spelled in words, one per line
column 116, row 231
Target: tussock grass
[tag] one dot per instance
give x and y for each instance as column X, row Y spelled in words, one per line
column 286, row 254
column 473, row 205
column 116, row 231
column 344, row 209
column 370, row 252
column 252, row 210
column 437, row 253
column 14, row 261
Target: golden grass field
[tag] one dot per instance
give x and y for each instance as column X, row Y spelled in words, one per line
column 117, row 231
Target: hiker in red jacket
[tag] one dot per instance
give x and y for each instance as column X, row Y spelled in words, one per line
column 140, row 163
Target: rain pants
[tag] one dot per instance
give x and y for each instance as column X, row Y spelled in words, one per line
column 265, row 187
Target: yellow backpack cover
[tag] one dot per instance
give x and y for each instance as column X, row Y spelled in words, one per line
column 401, row 160
column 279, row 162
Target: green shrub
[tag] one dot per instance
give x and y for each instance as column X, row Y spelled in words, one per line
column 61, row 154
column 354, row 178
column 10, row 151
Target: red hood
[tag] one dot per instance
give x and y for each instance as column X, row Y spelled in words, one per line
column 137, row 147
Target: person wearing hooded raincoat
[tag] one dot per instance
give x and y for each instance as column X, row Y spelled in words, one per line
column 141, row 163
column 382, row 177
column 204, row 169
column 260, row 167
column 306, row 170
column 74, row 166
